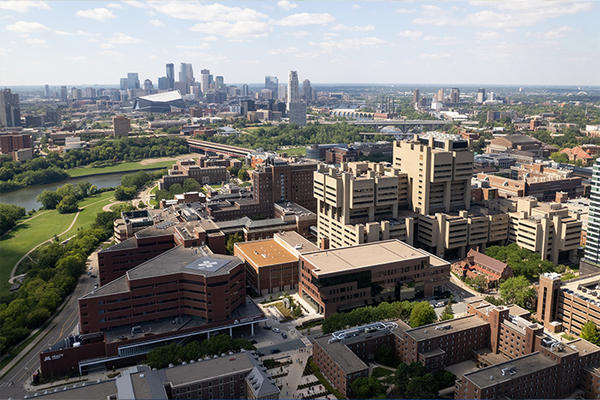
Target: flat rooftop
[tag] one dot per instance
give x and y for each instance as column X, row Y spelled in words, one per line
column 342, row 355
column 513, row 369
column 191, row 260
column 209, row 369
column 262, row 253
column 365, row 256
column 445, row 328
column 80, row 391
column 296, row 241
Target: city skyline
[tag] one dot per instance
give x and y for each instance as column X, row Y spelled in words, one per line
column 496, row 43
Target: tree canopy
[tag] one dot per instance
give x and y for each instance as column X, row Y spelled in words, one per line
column 517, row 290
column 589, row 332
column 422, row 314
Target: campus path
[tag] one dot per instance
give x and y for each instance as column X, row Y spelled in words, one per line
column 14, row 269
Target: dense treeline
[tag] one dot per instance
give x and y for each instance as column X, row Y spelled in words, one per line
column 9, row 215
column 16, row 174
column 132, row 183
column 161, row 357
column 66, row 198
column 273, row 137
column 522, row 261
column 416, row 313
column 54, row 275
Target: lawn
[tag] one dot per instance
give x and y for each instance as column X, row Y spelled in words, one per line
column 294, row 151
column 29, row 234
column 121, row 167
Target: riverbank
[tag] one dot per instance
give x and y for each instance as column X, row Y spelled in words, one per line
column 43, row 226
column 81, row 172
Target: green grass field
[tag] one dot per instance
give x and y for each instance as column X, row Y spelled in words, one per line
column 294, row 151
column 121, row 167
column 44, row 226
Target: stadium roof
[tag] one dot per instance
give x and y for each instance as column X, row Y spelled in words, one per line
column 164, row 97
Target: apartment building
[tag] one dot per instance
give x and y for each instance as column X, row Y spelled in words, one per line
column 277, row 182
column 592, row 249
column 186, row 169
column 130, row 223
column 360, row 203
column 545, row 228
column 439, row 168
column 345, row 278
column 568, row 305
column 12, row 142
column 272, row 264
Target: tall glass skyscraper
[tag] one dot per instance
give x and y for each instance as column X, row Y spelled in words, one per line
column 292, row 89
column 592, row 243
column 171, row 75
column 272, row 83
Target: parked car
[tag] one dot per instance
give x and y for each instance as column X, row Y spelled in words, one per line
column 284, row 335
column 275, row 351
column 267, row 327
column 276, row 330
column 440, row 304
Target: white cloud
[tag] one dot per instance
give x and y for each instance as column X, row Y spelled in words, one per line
column 299, row 34
column 35, row 41
column 354, row 43
column 233, row 30
column 405, row 10
column 283, row 51
column 114, row 5
column 286, row 5
column 85, row 33
column 22, row 6
column 135, row 3
column 62, row 33
column 196, row 11
column 414, row 35
column 558, row 32
column 118, row 38
column 202, row 46
column 434, row 56
column 77, row 59
column 156, row 22
column 355, row 28
column 433, row 15
column 3, row 52
column 98, row 14
column 487, row 35
column 27, row 27
column 301, row 19
column 511, row 14
column 355, row 6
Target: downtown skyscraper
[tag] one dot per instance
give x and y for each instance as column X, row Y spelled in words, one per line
column 171, row 75
column 293, row 95
column 272, row 83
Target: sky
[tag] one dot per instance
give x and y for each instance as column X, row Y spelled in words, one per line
column 512, row 42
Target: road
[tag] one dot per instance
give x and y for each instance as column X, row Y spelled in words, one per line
column 11, row 385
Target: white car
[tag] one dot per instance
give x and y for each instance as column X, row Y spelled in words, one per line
column 276, row 330
column 440, row 304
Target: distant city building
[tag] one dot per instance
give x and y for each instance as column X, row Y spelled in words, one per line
column 416, row 96
column 163, row 83
column 272, row 83
column 186, row 73
column 121, row 126
column 297, row 113
column 293, row 96
column 133, row 80
column 10, row 112
column 219, row 82
column 204, row 80
column 455, row 95
column 122, row 84
column 148, row 85
column 480, row 95
column 245, row 90
column 14, row 142
column 63, row 93
column 307, row 91
column 440, row 95
column 282, row 92
column 170, row 76
column 46, row 91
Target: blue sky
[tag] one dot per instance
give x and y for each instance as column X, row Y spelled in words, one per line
column 505, row 42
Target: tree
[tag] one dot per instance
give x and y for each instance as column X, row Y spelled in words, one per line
column 231, row 240
column 422, row 387
column 367, row 387
column 386, row 355
column 516, row 290
column 480, row 283
column 422, row 314
column 243, row 174
column 447, row 313
column 191, row 185
column 175, row 188
column 125, row 192
column 49, row 199
column 589, row 332
column 67, row 205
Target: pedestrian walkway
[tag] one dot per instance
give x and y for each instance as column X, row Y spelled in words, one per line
column 294, row 376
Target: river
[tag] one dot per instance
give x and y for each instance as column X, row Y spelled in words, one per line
column 27, row 197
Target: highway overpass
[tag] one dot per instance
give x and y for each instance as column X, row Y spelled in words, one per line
column 218, row 148
column 404, row 125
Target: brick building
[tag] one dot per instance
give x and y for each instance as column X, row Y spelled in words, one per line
column 344, row 278
column 185, row 169
column 13, row 142
column 272, row 264
column 478, row 264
